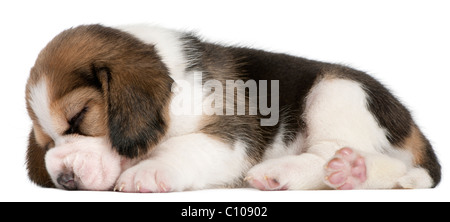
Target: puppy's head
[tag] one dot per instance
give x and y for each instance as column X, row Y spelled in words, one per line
column 94, row 94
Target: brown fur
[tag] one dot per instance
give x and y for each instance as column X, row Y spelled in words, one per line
column 36, row 164
column 423, row 154
column 96, row 67
column 415, row 144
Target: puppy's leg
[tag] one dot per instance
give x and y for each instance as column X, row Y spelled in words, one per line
column 347, row 169
column 336, row 115
column 189, row 162
column 293, row 172
column 350, row 169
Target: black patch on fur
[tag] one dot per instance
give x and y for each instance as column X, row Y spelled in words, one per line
column 192, row 50
column 296, row 76
column 220, row 63
column 136, row 121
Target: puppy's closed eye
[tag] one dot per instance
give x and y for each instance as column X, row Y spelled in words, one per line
column 75, row 121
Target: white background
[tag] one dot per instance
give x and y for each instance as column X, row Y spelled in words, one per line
column 405, row 44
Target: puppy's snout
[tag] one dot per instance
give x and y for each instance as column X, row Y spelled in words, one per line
column 67, row 181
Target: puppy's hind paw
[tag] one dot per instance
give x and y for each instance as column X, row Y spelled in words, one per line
column 346, row 170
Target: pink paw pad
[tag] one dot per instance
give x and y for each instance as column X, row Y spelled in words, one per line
column 266, row 184
column 346, row 170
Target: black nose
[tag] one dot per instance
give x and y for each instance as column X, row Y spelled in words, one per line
column 67, row 181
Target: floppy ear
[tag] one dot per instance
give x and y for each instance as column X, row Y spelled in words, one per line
column 36, row 163
column 137, row 88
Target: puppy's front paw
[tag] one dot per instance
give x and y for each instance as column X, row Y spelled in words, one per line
column 85, row 163
column 149, row 176
column 270, row 175
column 91, row 171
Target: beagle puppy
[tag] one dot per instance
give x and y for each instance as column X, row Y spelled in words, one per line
column 145, row 109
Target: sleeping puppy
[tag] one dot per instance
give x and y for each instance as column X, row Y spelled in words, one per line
column 145, row 109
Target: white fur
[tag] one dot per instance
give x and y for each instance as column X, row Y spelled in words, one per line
column 336, row 109
column 278, row 148
column 167, row 43
column 40, row 103
column 193, row 161
column 187, row 98
column 416, row 178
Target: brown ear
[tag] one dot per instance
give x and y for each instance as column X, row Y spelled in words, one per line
column 36, row 163
column 137, row 90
